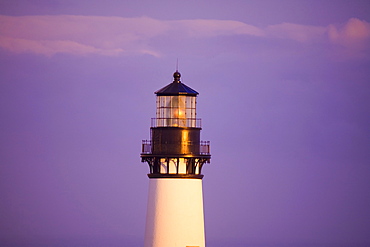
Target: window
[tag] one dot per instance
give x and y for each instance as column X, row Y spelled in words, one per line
column 176, row 111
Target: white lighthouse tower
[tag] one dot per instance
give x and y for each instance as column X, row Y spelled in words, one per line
column 175, row 156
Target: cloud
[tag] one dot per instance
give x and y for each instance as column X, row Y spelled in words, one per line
column 354, row 37
column 300, row 33
column 48, row 35
column 350, row 34
column 353, row 33
column 113, row 36
column 212, row 28
column 347, row 41
column 48, row 47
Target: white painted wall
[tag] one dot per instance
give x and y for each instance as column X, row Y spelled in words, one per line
column 175, row 213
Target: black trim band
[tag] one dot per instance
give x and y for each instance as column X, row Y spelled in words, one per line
column 186, row 176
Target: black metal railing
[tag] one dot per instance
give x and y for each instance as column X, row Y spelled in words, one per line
column 177, row 122
column 146, row 147
column 204, row 147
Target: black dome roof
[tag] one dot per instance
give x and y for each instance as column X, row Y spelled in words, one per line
column 176, row 88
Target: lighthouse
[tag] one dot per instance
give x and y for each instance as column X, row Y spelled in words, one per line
column 175, row 156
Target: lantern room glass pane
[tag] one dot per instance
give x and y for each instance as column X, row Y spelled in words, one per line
column 176, row 111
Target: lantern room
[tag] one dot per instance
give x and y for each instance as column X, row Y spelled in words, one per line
column 175, row 149
column 176, row 105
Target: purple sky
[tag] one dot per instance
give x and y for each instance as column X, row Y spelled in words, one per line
column 284, row 99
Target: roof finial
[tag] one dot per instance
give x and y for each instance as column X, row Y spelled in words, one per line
column 176, row 77
column 177, row 65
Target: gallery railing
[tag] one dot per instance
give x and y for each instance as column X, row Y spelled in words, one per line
column 204, row 147
column 177, row 122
